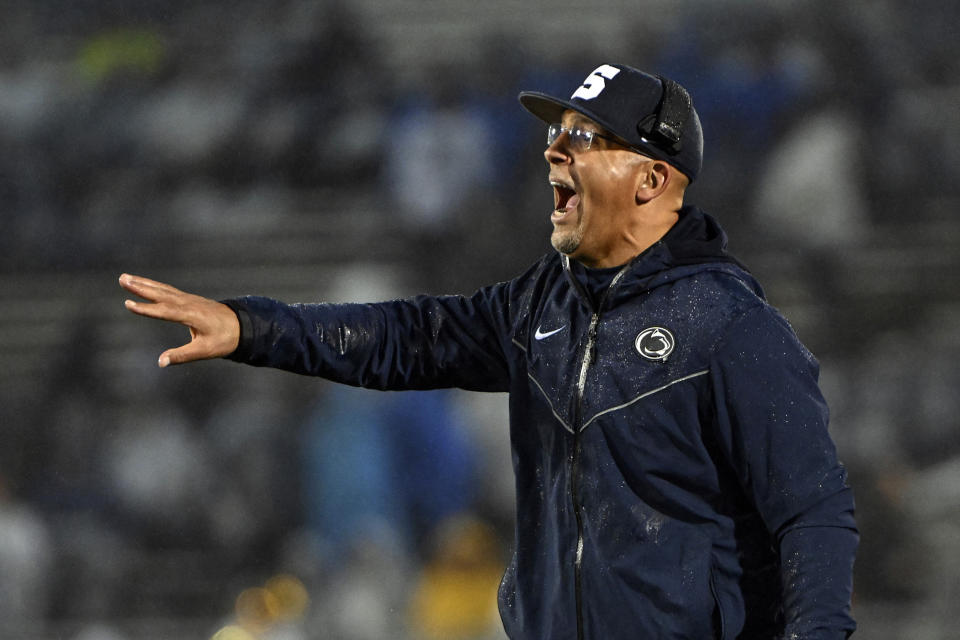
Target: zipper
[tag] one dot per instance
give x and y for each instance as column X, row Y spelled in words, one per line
column 589, row 355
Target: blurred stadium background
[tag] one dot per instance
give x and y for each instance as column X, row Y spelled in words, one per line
column 352, row 151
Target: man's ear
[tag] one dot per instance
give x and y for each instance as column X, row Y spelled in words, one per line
column 653, row 179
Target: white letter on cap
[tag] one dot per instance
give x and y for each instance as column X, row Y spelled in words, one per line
column 594, row 83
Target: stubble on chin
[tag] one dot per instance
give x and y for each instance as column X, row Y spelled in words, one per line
column 566, row 241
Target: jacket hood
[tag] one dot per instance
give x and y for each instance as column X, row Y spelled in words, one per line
column 697, row 238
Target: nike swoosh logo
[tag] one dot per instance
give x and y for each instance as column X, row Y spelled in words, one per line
column 540, row 335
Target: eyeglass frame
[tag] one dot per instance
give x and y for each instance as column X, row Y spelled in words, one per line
column 582, row 139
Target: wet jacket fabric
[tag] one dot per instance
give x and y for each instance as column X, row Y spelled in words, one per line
column 674, row 474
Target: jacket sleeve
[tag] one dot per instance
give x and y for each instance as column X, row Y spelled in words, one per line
column 417, row 343
column 774, row 422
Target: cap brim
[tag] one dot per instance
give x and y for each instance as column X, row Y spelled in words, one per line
column 547, row 108
column 550, row 109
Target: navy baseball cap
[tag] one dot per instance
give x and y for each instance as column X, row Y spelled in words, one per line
column 653, row 114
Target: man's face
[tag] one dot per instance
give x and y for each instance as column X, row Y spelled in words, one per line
column 594, row 193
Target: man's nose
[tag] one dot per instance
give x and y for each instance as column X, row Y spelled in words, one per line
column 558, row 152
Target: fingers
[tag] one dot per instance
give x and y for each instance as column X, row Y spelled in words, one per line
column 132, row 280
column 214, row 327
column 164, row 302
column 147, row 288
column 156, row 310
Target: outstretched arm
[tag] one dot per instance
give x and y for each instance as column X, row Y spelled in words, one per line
column 214, row 328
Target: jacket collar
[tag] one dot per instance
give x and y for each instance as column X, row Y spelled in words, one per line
column 695, row 243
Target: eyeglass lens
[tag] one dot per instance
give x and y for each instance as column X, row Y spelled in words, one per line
column 580, row 139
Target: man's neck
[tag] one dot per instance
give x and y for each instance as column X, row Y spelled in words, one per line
column 632, row 242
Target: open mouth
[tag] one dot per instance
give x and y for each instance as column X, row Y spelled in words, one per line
column 565, row 198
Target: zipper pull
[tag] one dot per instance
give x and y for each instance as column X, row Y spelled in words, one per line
column 593, row 344
column 589, row 353
column 592, row 338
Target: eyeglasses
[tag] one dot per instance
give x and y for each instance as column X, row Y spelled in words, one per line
column 582, row 139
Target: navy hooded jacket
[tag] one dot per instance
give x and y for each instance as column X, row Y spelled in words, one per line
column 674, row 473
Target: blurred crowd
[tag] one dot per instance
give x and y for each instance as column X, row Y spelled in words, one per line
column 218, row 501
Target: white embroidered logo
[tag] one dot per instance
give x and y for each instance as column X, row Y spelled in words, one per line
column 594, row 84
column 655, row 343
column 540, row 335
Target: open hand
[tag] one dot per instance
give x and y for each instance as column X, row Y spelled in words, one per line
column 214, row 328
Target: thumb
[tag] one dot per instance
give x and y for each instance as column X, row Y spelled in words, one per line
column 180, row 355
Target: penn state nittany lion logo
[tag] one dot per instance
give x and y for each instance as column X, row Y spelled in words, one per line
column 655, row 343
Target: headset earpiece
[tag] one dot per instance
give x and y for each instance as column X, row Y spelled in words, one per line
column 666, row 125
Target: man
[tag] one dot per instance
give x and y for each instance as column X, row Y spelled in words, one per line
column 674, row 473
